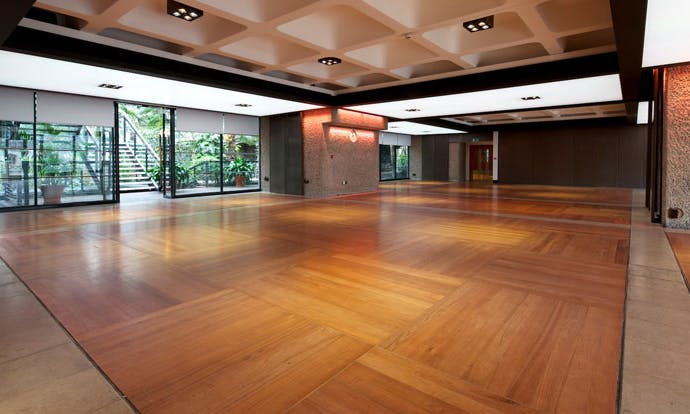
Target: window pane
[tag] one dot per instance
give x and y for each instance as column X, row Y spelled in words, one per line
column 197, row 162
column 241, row 162
column 386, row 163
column 73, row 163
column 402, row 169
column 16, row 164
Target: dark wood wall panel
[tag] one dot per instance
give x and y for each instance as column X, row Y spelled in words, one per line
column 633, row 154
column 597, row 156
column 435, row 157
column 518, row 161
column 287, row 168
column 428, row 145
column 441, row 158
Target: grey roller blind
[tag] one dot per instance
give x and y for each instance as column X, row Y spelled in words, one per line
column 404, row 140
column 60, row 108
column 241, row 124
column 391, row 138
column 16, row 104
column 196, row 120
column 387, row 138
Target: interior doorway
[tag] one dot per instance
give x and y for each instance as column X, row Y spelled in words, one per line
column 480, row 162
column 143, row 147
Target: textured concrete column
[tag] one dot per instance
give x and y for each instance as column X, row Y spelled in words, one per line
column 676, row 187
column 416, row 158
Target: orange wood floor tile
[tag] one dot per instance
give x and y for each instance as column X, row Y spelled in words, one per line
column 422, row 297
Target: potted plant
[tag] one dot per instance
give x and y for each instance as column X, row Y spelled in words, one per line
column 181, row 176
column 52, row 173
column 242, row 170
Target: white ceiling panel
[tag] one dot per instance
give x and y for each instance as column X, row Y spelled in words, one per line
column 56, row 75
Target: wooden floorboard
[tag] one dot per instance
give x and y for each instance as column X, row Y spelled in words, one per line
column 421, row 297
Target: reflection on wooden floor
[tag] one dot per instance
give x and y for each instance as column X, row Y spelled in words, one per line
column 422, row 297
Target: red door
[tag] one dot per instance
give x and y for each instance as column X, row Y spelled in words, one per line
column 481, row 164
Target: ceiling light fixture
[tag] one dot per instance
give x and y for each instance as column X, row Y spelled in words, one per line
column 330, row 60
column 183, row 11
column 109, row 86
column 530, row 98
column 478, row 25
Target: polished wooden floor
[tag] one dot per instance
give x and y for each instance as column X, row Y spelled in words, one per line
column 421, row 297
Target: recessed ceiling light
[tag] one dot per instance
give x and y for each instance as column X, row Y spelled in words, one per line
column 330, row 60
column 243, row 105
column 530, row 98
column 412, row 110
column 183, row 11
column 109, row 86
column 483, row 23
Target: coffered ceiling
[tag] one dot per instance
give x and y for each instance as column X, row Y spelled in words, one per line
column 382, row 43
column 543, row 115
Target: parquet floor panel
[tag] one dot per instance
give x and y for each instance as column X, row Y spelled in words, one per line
column 422, row 297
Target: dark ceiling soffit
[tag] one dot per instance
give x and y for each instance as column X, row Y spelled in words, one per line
column 13, row 11
column 441, row 123
column 25, row 40
column 573, row 123
column 629, row 20
column 602, row 64
column 504, row 111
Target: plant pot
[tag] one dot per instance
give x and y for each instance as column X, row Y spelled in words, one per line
column 52, row 194
column 239, row 181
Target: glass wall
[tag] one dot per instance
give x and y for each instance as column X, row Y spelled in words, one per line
column 214, row 163
column 16, row 164
column 402, row 165
column 394, row 162
column 197, row 162
column 240, row 162
column 394, row 152
column 60, row 164
column 73, row 163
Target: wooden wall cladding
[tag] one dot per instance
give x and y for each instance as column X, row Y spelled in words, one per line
column 597, row 156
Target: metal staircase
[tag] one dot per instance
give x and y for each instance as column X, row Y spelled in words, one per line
column 136, row 158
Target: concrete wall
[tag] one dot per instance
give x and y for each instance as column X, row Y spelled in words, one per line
column 676, row 146
column 333, row 163
column 416, row 158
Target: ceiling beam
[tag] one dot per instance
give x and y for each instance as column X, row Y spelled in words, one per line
column 12, row 12
column 596, row 65
column 50, row 45
column 629, row 20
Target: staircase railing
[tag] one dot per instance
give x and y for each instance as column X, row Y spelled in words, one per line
column 135, row 141
column 90, row 136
